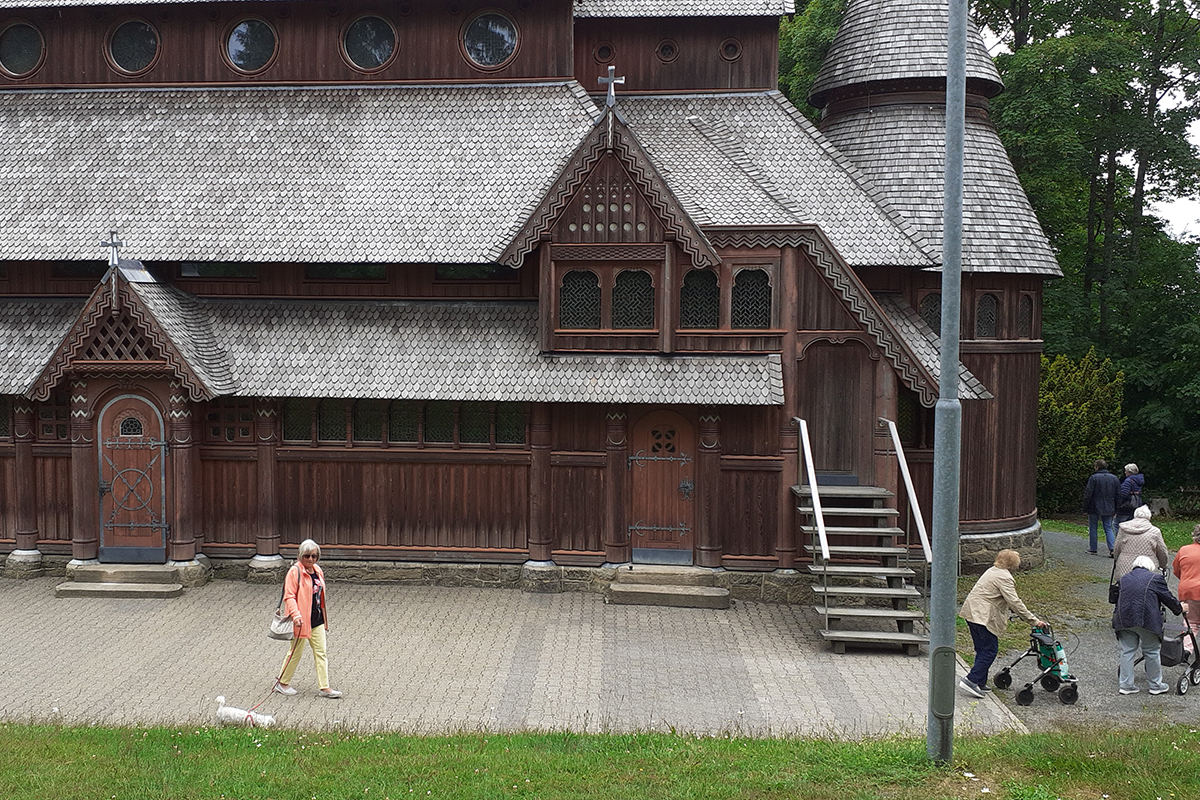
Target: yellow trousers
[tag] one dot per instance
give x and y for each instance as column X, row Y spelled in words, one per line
column 317, row 642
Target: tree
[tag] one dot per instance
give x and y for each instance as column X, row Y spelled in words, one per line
column 803, row 42
column 1079, row 420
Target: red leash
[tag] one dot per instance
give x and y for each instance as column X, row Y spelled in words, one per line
column 249, row 716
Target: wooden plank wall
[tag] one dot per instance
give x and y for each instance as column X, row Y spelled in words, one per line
column 8, row 493
column 53, row 487
column 228, row 500
column 747, row 506
column 577, row 506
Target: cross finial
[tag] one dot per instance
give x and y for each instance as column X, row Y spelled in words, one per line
column 112, row 244
column 612, row 82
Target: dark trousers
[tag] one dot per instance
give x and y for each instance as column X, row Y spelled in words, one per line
column 986, row 648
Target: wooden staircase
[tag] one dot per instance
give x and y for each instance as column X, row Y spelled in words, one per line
column 864, row 592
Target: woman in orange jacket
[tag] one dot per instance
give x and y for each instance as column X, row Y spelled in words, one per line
column 304, row 601
column 1187, row 569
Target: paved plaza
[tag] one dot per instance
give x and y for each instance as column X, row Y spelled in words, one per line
column 441, row 660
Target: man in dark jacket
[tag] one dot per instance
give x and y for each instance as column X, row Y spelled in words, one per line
column 1138, row 621
column 1100, row 503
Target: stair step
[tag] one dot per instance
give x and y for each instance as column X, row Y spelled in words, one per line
column 861, row 492
column 868, row 612
column 889, row 531
column 911, row 641
column 646, row 594
column 125, row 573
column 895, row 592
column 865, row 570
column 663, row 575
column 94, row 589
column 840, row 511
column 851, row 551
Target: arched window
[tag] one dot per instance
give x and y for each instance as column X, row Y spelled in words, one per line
column 986, row 316
column 931, row 311
column 633, row 300
column 700, row 300
column 751, row 300
column 131, row 426
column 579, row 300
column 1025, row 317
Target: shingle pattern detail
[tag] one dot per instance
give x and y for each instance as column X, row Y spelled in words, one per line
column 645, row 175
column 902, row 150
column 30, row 330
column 927, row 346
column 103, row 303
column 750, row 159
column 683, row 8
column 444, row 174
column 886, row 40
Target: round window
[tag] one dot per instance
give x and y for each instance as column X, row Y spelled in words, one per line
column 731, row 49
column 133, row 46
column 667, row 50
column 490, row 40
column 369, row 43
column 251, row 45
column 603, row 52
column 21, row 49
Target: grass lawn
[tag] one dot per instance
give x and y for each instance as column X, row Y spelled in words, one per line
column 1176, row 531
column 77, row 763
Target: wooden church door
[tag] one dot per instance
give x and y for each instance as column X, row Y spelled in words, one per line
column 133, row 503
column 663, row 463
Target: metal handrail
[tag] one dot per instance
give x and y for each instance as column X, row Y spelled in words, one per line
column 810, row 470
column 913, row 506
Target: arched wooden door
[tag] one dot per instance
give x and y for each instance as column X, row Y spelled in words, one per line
column 133, row 502
column 663, row 465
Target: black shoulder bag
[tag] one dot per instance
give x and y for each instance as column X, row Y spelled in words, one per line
column 1114, row 589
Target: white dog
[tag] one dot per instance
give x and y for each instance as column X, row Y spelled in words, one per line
column 228, row 715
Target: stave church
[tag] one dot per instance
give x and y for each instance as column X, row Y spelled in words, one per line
column 545, row 284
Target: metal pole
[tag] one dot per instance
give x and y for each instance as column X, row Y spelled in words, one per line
column 947, row 455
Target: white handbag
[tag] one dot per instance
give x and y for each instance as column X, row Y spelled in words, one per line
column 281, row 624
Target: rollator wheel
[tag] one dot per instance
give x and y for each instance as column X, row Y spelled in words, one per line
column 1025, row 696
column 1069, row 695
column 1051, row 683
column 1182, row 685
column 1194, row 676
column 1003, row 678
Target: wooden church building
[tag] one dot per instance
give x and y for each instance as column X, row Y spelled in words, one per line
column 520, row 282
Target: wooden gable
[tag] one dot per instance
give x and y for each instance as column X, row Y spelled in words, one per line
column 608, row 208
column 116, row 332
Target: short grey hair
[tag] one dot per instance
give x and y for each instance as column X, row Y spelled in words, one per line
column 1145, row 562
column 1131, row 469
column 308, row 546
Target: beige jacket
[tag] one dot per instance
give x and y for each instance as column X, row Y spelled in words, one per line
column 992, row 598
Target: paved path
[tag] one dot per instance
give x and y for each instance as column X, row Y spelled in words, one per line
column 443, row 660
column 1092, row 656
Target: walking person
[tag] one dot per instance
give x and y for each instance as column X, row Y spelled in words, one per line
column 986, row 611
column 1138, row 622
column 1129, row 496
column 1100, row 503
column 1138, row 537
column 1187, row 569
column 304, row 601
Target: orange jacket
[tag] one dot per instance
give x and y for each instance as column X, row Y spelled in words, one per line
column 1187, row 569
column 298, row 596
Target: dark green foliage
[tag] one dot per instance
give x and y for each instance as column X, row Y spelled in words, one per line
column 803, row 42
column 1079, row 420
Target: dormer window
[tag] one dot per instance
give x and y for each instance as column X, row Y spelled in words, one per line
column 750, row 305
column 579, row 300
column 742, row 295
column 700, row 300
column 633, row 300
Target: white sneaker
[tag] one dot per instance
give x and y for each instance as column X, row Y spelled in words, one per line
column 1162, row 690
column 279, row 688
column 1134, row 690
column 332, row 694
column 970, row 688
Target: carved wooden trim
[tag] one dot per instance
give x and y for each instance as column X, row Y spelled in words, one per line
column 608, row 252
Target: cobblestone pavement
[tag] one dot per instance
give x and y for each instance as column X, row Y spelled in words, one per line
column 443, row 660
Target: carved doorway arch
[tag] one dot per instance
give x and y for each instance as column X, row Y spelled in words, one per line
column 133, row 501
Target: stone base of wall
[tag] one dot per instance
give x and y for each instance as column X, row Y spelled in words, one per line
column 977, row 551
column 24, row 565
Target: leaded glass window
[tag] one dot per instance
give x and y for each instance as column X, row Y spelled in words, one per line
column 331, row 421
column 297, row 420
column 906, row 418
column 53, row 418
column 231, row 419
column 579, row 300
column 700, row 300
column 986, row 314
column 345, row 272
column 1025, row 317
column 131, row 426
column 931, row 311
column 751, row 300
column 368, row 421
column 633, row 300
column 490, row 40
column 5, row 415
column 133, row 46
column 439, row 422
column 510, row 423
column 474, row 423
column 404, row 418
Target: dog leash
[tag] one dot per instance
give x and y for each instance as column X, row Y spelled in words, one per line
column 291, row 652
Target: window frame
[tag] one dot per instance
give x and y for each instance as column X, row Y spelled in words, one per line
column 108, row 43
column 462, row 39
column 229, row 29
column 12, row 23
column 727, row 272
column 998, row 296
column 346, row 54
column 312, row 406
column 606, row 273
